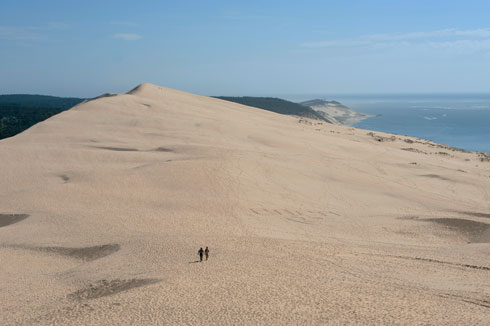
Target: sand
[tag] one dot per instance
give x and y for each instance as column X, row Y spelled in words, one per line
column 104, row 207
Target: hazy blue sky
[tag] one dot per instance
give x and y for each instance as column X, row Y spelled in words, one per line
column 85, row 48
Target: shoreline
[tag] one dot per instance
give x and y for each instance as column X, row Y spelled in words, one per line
column 444, row 141
column 350, row 122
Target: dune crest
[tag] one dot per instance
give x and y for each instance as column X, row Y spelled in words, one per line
column 146, row 88
column 155, row 92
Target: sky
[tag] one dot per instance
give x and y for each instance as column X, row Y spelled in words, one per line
column 86, row 48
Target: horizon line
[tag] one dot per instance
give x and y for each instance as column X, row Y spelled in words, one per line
column 312, row 94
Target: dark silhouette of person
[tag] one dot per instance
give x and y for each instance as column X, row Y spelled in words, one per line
column 200, row 252
column 206, row 252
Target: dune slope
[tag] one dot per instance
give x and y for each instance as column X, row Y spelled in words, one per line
column 103, row 208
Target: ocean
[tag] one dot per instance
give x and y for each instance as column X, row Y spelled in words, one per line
column 461, row 121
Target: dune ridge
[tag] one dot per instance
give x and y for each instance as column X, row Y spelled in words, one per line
column 104, row 206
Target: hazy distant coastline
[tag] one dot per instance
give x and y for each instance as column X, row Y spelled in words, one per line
column 336, row 112
column 456, row 120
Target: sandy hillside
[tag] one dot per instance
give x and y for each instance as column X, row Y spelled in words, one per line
column 103, row 208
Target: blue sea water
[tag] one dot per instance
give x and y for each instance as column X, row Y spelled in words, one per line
column 461, row 121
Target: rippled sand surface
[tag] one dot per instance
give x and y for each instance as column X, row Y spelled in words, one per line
column 103, row 208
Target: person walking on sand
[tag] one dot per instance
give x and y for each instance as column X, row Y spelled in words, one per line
column 206, row 252
column 200, row 252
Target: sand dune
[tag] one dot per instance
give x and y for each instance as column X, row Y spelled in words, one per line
column 103, row 208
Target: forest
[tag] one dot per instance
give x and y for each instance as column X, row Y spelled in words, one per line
column 20, row 112
column 276, row 105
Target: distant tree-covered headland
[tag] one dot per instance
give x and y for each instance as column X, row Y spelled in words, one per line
column 19, row 112
column 276, row 105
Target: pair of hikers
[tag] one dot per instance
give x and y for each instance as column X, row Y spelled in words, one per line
column 201, row 252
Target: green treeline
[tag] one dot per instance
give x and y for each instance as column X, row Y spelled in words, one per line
column 276, row 105
column 19, row 112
